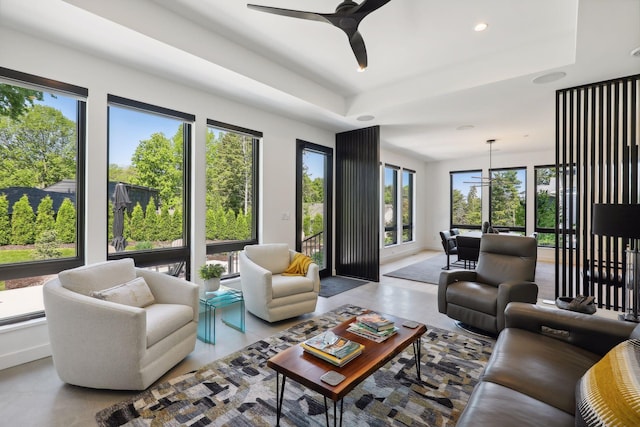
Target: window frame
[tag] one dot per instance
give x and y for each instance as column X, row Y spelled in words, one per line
column 53, row 266
column 464, row 226
column 410, row 205
column 514, row 228
column 238, row 245
column 536, row 228
column 161, row 256
column 394, row 227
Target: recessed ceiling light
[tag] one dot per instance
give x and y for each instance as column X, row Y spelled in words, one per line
column 551, row 77
column 465, row 127
column 481, row 26
column 636, row 52
column 365, row 118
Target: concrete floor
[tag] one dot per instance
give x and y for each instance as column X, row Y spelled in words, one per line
column 33, row 395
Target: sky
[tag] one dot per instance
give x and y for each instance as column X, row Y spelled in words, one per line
column 128, row 127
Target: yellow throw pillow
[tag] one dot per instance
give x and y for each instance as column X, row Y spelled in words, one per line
column 609, row 392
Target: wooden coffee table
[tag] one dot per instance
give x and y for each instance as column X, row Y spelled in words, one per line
column 306, row 369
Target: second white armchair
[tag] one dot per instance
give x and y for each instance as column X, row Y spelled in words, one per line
column 270, row 295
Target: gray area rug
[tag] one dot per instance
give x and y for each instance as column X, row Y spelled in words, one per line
column 240, row 390
column 428, row 271
column 334, row 285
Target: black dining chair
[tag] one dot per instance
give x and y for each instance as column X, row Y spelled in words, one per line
column 449, row 246
column 468, row 250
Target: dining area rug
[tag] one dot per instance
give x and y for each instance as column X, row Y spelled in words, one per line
column 240, row 390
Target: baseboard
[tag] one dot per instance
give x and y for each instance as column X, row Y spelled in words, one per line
column 24, row 342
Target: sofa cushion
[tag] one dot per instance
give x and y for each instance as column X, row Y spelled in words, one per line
column 99, row 276
column 541, row 367
column 135, row 293
column 271, row 256
column 609, row 393
column 283, row 286
column 497, row 406
column 474, row 296
column 164, row 319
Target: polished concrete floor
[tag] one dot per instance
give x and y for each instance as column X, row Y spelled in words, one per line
column 33, row 395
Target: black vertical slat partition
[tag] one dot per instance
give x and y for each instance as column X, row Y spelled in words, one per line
column 597, row 140
column 358, row 203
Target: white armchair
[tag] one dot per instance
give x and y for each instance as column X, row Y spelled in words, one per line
column 270, row 295
column 99, row 343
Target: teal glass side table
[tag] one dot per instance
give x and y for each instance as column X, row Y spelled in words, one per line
column 232, row 316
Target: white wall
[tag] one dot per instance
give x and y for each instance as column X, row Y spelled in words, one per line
column 277, row 170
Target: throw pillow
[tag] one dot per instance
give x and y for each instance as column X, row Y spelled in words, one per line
column 135, row 293
column 299, row 266
column 609, row 392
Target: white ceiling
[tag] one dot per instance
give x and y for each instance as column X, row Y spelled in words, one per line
column 429, row 72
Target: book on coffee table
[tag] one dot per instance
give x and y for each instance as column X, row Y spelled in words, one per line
column 369, row 333
column 332, row 348
column 375, row 321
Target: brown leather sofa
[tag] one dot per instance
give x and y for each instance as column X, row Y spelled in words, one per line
column 531, row 377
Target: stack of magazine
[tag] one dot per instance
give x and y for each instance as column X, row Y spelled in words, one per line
column 373, row 326
column 332, row 348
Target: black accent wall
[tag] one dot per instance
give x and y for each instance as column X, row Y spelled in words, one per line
column 597, row 138
column 357, row 220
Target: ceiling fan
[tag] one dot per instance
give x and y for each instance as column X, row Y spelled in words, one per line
column 347, row 17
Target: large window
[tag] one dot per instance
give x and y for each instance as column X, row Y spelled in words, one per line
column 508, row 198
column 390, row 213
column 148, row 185
column 231, row 197
column 466, row 199
column 408, row 178
column 545, row 213
column 42, row 138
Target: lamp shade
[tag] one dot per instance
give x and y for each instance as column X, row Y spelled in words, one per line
column 617, row 220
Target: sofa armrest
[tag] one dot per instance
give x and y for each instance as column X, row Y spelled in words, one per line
column 255, row 280
column 448, row 277
column 167, row 289
column 591, row 332
column 514, row 290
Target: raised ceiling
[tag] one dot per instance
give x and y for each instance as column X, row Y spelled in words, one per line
column 429, row 72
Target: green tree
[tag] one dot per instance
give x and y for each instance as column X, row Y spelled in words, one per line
column 458, row 207
column 474, row 207
column 38, row 150
column 15, row 101
column 505, row 199
column 22, row 222
column 176, row 224
column 243, row 227
column 229, row 171
column 164, row 224
column 136, row 224
column 151, row 221
column 230, row 231
column 45, row 216
column 318, row 224
column 47, row 245
column 157, row 167
column 66, row 222
column 5, row 221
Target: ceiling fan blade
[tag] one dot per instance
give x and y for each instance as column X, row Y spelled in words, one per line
column 359, row 49
column 311, row 16
column 368, row 6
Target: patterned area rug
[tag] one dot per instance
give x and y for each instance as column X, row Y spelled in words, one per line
column 239, row 390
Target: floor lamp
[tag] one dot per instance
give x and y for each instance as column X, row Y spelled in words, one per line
column 623, row 220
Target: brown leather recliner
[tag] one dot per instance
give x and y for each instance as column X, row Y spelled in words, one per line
column 505, row 273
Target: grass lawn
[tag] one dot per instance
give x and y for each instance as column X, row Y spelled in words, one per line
column 10, row 256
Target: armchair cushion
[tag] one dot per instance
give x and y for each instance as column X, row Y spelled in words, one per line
column 97, row 277
column 272, row 256
column 290, row 285
column 135, row 293
column 473, row 295
column 164, row 319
